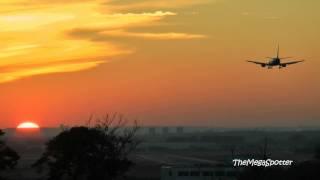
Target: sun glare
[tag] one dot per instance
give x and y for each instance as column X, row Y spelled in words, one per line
column 28, row 125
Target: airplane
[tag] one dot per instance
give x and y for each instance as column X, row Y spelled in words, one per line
column 275, row 61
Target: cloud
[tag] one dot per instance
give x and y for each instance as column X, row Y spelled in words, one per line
column 49, row 69
column 153, row 14
column 34, row 41
column 272, row 18
column 71, row 58
column 154, row 36
column 108, row 35
column 147, row 4
column 245, row 13
column 14, row 50
column 44, row 2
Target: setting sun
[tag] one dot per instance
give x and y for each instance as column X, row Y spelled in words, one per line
column 28, row 125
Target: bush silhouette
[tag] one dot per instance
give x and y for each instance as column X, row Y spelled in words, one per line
column 317, row 152
column 98, row 152
column 300, row 171
column 8, row 157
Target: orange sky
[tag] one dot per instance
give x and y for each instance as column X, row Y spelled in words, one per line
column 177, row 62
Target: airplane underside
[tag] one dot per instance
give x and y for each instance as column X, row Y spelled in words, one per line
column 271, row 66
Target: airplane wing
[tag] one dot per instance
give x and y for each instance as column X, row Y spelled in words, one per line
column 289, row 63
column 256, row 62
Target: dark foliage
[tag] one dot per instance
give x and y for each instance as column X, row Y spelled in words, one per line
column 99, row 152
column 8, row 157
column 302, row 171
column 305, row 170
column 255, row 173
column 317, row 153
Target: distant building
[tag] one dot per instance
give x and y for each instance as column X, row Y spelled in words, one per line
column 63, row 127
column 165, row 130
column 180, row 130
column 198, row 172
column 152, row 131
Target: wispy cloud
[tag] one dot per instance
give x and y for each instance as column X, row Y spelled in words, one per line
column 143, row 4
column 245, row 13
column 108, row 35
column 26, row 72
column 34, row 40
column 155, row 36
column 152, row 14
column 272, row 18
column 260, row 15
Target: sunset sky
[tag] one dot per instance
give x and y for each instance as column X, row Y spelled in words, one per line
column 164, row 62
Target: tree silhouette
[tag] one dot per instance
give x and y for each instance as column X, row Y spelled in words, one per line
column 8, row 157
column 91, row 152
column 317, row 152
column 264, row 149
column 261, row 173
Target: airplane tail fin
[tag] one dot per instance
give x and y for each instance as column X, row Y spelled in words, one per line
column 278, row 51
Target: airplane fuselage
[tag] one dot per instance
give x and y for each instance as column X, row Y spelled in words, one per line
column 274, row 62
